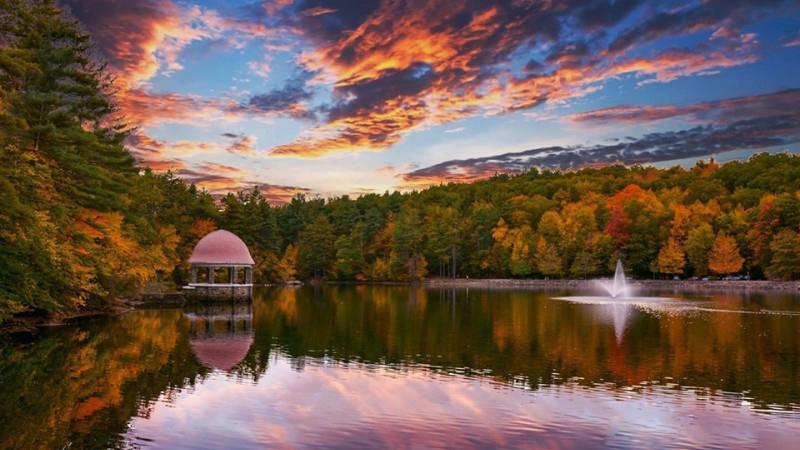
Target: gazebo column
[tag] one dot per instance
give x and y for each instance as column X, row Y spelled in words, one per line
column 248, row 273
column 233, row 275
column 194, row 275
column 210, row 275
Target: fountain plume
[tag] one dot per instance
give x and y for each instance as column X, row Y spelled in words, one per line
column 617, row 287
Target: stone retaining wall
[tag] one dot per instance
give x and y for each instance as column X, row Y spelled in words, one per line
column 219, row 293
column 678, row 285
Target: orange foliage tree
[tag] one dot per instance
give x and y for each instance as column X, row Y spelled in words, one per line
column 724, row 257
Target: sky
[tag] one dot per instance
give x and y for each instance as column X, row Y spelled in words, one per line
column 351, row 97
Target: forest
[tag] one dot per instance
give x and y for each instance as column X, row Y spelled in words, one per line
column 81, row 225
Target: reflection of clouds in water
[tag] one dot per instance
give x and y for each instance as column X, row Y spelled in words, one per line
column 357, row 406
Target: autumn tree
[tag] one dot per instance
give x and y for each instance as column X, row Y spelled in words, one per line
column 724, row 257
column 698, row 244
column 671, row 258
column 287, row 265
column 548, row 261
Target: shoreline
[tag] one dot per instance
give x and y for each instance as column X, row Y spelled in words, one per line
column 675, row 285
column 31, row 323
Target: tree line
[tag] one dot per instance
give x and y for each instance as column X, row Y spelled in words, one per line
column 742, row 218
column 81, row 224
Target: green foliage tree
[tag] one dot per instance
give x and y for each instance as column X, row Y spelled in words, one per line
column 350, row 262
column 316, row 252
column 785, row 264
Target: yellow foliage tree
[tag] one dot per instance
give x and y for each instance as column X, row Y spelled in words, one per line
column 724, row 257
column 548, row 261
column 287, row 266
column 671, row 258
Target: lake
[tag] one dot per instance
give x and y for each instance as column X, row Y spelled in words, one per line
column 407, row 367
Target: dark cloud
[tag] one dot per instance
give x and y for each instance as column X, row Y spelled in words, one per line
column 700, row 141
column 599, row 14
column 291, row 100
column 717, row 111
column 363, row 96
column 691, row 18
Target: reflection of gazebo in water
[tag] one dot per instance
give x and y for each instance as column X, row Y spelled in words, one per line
column 222, row 267
column 220, row 335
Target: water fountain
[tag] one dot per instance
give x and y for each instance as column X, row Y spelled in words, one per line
column 619, row 304
column 617, row 287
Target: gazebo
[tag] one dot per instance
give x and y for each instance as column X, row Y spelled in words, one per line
column 222, row 267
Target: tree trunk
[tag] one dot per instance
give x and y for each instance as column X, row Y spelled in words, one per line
column 453, row 258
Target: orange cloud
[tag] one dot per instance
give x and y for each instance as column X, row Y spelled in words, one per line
column 144, row 108
column 143, row 38
column 409, row 65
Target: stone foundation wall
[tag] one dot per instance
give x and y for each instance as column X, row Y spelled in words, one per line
column 220, row 293
column 677, row 285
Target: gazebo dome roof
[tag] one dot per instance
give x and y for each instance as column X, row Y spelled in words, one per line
column 221, row 247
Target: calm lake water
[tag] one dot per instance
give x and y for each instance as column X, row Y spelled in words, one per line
column 363, row 367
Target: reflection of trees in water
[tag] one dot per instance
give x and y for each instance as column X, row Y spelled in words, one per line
column 512, row 334
column 82, row 384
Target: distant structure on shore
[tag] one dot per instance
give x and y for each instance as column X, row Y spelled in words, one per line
column 222, row 268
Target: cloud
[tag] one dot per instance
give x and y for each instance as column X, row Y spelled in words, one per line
column 318, row 11
column 143, row 108
column 690, row 19
column 280, row 194
column 260, row 68
column 792, row 40
column 220, row 179
column 142, row 38
column 395, row 67
column 765, row 126
column 162, row 155
column 217, row 178
column 455, row 130
column 290, row 100
column 241, row 145
column 717, row 111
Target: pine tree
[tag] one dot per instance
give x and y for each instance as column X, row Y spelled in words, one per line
column 316, row 251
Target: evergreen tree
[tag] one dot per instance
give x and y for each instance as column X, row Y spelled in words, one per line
column 316, row 252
